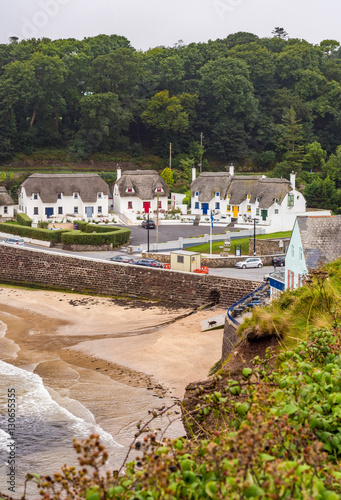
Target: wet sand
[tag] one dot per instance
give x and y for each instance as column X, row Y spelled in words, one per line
column 113, row 359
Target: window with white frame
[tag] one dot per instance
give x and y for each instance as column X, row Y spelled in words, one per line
column 248, row 208
column 130, row 190
column 257, row 211
column 276, row 211
column 196, row 205
column 291, row 200
column 99, row 195
column 197, row 193
column 75, row 210
column 159, row 190
column 75, row 195
column 228, row 208
column 180, row 259
column 59, row 196
column 217, row 194
column 35, row 211
column 217, row 205
column 130, row 205
column 99, row 210
column 257, row 199
column 35, row 196
column 5, row 210
column 60, row 210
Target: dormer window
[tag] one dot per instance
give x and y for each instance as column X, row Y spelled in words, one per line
column 257, row 199
column 197, row 193
column 130, row 190
column 249, row 197
column 75, row 195
column 276, row 200
column 59, row 196
column 217, row 194
column 159, row 190
column 35, row 196
column 99, row 195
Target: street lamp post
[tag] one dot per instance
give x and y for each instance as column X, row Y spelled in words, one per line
column 254, row 234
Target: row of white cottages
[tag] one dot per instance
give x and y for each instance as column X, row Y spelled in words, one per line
column 233, row 198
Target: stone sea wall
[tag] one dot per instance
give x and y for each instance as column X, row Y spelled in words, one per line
column 25, row 266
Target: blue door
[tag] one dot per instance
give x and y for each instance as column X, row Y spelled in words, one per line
column 49, row 212
column 204, row 207
column 89, row 212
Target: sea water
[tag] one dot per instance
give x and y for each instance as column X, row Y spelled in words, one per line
column 43, row 431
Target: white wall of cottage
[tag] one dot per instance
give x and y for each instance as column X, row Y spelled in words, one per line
column 70, row 205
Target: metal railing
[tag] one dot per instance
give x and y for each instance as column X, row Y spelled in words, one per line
column 242, row 300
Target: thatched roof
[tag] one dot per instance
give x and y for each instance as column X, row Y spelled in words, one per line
column 270, row 189
column 239, row 187
column 5, row 198
column 321, row 239
column 49, row 185
column 209, row 183
column 143, row 182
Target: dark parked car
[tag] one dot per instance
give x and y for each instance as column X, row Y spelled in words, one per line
column 123, row 259
column 149, row 263
column 278, row 261
column 150, row 224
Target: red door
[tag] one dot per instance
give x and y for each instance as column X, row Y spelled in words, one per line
column 146, row 207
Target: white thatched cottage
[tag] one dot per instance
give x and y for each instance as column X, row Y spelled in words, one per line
column 6, row 204
column 140, row 191
column 241, row 198
column 42, row 196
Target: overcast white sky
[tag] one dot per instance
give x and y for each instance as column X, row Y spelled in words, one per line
column 148, row 23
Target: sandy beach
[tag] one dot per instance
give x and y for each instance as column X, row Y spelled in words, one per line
column 102, row 361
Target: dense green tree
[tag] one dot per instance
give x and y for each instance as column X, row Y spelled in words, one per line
column 166, row 113
column 323, row 193
column 168, row 176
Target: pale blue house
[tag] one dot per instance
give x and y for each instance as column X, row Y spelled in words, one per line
column 315, row 241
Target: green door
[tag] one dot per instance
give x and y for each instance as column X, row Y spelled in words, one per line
column 264, row 214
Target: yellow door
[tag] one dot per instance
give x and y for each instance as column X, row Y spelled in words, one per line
column 235, row 211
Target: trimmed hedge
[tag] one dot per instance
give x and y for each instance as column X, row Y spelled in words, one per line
column 81, row 224
column 32, row 232
column 116, row 236
column 24, row 220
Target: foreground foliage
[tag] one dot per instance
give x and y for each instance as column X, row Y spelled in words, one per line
column 279, row 437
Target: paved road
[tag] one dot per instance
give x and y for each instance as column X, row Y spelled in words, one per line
column 171, row 232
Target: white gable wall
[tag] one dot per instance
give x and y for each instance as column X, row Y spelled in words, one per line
column 295, row 265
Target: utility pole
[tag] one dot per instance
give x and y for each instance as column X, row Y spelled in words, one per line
column 201, row 137
column 157, row 220
column 170, row 156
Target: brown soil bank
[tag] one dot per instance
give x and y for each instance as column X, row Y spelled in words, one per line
column 241, row 357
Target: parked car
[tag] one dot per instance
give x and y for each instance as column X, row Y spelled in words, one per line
column 278, row 261
column 150, row 224
column 14, row 241
column 123, row 259
column 149, row 263
column 250, row 262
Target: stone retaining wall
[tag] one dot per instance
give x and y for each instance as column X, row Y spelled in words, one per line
column 82, row 274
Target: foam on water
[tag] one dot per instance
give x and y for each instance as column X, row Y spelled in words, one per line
column 35, row 407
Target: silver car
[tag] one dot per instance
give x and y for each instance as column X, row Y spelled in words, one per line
column 250, row 262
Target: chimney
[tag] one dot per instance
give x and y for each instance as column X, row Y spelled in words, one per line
column 231, row 170
column 293, row 180
column 119, row 173
column 194, row 173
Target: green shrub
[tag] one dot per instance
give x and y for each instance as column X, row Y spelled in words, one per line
column 24, row 219
column 97, row 235
column 32, row 232
column 43, row 224
column 81, row 224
